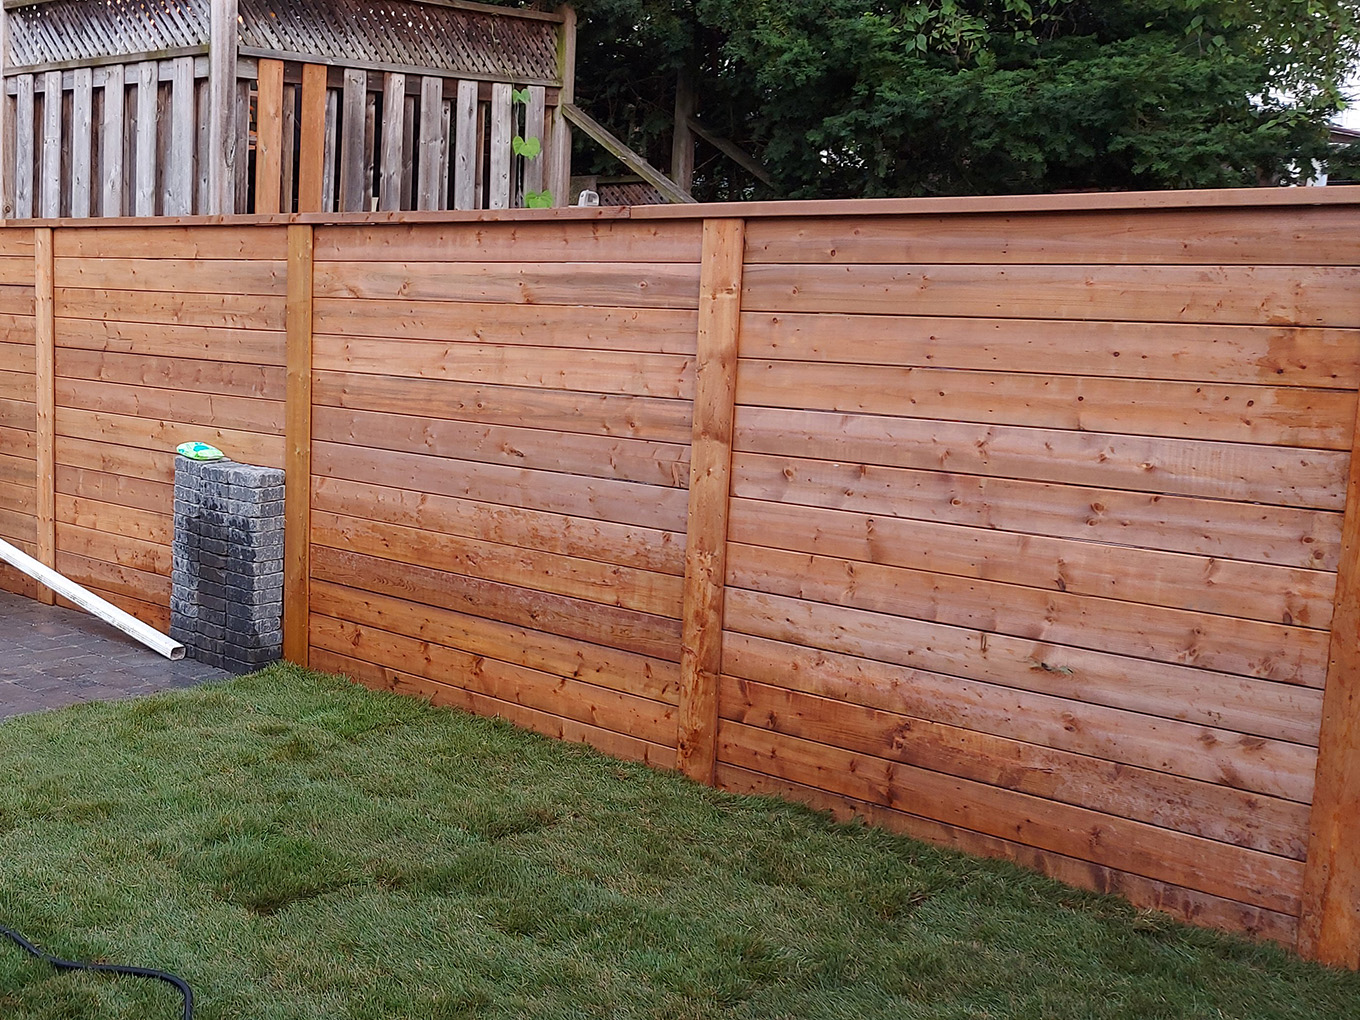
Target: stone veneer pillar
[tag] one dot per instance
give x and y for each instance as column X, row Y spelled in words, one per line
column 226, row 601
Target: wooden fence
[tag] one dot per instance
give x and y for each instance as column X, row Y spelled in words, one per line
column 1025, row 526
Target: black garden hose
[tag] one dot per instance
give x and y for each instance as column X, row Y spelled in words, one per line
column 107, row 968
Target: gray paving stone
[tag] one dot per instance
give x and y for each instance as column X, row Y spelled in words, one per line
column 51, row 658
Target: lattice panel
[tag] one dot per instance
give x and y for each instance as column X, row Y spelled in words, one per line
column 404, row 33
column 83, row 29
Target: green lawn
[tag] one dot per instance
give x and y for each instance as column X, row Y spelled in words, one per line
column 298, row 847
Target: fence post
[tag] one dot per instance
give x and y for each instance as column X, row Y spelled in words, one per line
column 45, row 397
column 297, row 535
column 1329, row 922
column 709, row 487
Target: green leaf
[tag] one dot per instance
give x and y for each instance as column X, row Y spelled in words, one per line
column 519, row 96
column 529, row 148
column 538, row 199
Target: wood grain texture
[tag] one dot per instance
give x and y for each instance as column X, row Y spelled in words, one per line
column 1329, row 928
column 297, row 539
column 709, row 497
column 1244, row 531
column 1265, row 415
column 312, row 138
column 1198, row 237
column 269, row 139
column 1276, row 355
column 45, row 364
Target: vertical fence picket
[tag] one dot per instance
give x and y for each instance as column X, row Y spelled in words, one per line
column 24, row 136
column 269, row 136
column 179, row 170
column 353, row 159
column 501, row 153
column 148, row 89
column 393, row 129
column 465, row 159
column 112, row 167
column 315, row 128
column 82, row 140
column 429, row 193
column 50, row 194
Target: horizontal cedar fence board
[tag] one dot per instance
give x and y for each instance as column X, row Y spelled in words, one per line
column 627, row 460
column 17, row 442
column 1168, row 690
column 17, row 386
column 617, row 241
column 618, row 745
column 16, row 271
column 603, row 499
column 1230, row 295
column 1256, row 591
column 646, row 330
column 149, row 240
column 640, row 548
column 18, row 359
column 635, row 285
column 16, row 301
column 262, row 349
column 132, row 467
column 1295, row 237
column 1215, row 755
column 158, row 434
column 123, row 550
column 1248, row 473
column 651, row 375
column 1241, row 414
column 1223, row 643
column 1258, row 879
column 17, row 330
column 101, row 576
column 1187, row 904
column 1266, row 824
column 1238, row 704
column 131, row 522
column 18, row 526
column 81, row 485
column 174, row 308
column 17, row 497
column 199, row 276
column 641, row 633
column 186, row 406
column 18, row 414
column 660, row 419
column 599, row 706
column 17, row 470
column 618, row 670
column 608, row 584
column 1281, row 535
column 172, row 372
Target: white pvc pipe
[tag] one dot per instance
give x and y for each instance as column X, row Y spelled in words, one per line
column 91, row 602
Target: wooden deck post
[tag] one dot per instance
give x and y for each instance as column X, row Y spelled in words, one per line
column 1329, row 923
column 222, row 99
column 709, row 477
column 45, row 371
column 558, row 158
column 297, row 571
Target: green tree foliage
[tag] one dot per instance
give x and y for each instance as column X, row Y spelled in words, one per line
column 843, row 98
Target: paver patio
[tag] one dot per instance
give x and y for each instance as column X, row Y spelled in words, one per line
column 51, row 657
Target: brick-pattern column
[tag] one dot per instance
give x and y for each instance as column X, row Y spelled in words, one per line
column 226, row 602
